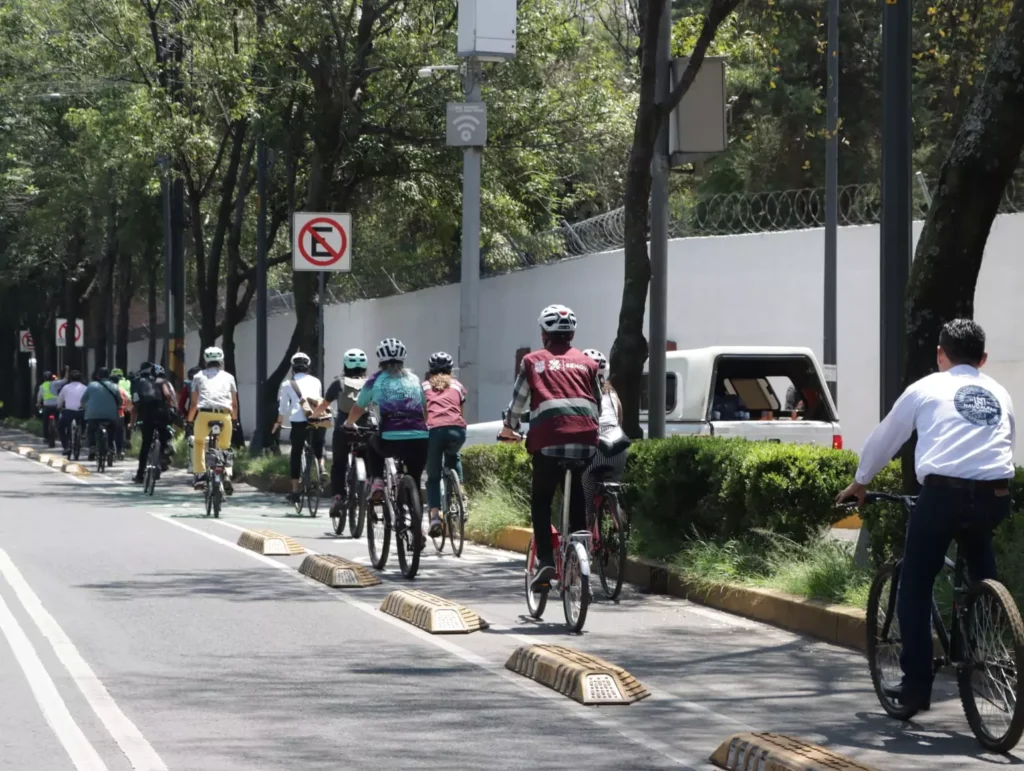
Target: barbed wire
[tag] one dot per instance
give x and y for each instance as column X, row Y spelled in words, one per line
column 715, row 215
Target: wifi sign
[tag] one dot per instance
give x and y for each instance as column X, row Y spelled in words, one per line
column 467, row 124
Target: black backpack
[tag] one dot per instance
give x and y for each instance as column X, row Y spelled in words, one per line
column 146, row 392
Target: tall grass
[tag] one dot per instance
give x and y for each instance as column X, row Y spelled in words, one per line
column 495, row 509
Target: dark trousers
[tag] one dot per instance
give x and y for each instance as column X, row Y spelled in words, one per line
column 548, row 477
column 302, row 433
column 90, row 433
column 412, row 452
column 161, row 428
column 339, row 467
column 67, row 417
column 942, row 514
column 443, row 452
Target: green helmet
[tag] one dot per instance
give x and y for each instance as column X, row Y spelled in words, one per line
column 117, row 372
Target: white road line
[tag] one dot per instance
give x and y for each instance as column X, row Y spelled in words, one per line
column 78, row 747
column 688, row 762
column 128, row 737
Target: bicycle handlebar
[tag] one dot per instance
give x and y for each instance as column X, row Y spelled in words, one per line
column 872, row 497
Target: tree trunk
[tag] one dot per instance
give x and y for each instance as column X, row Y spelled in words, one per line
column 981, row 162
column 151, row 307
column 125, row 290
column 629, row 351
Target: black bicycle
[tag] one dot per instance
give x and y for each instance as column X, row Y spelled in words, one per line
column 356, row 503
column 398, row 509
column 154, row 464
column 983, row 638
column 610, row 528
column 216, row 471
column 75, row 440
column 104, row 448
column 453, row 517
column 310, row 484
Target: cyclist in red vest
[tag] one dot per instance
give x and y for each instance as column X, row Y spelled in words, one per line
column 561, row 387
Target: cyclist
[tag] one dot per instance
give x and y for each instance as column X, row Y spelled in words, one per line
column 344, row 391
column 446, row 400
column 124, row 415
column 185, row 392
column 153, row 397
column 102, row 404
column 561, row 387
column 610, row 460
column 964, row 459
column 69, row 402
column 214, row 398
column 46, row 397
column 402, row 408
column 298, row 399
column 117, row 375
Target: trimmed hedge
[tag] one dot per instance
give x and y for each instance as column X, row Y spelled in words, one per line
column 707, row 487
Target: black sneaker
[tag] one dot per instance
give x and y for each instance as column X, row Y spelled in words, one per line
column 293, row 497
column 436, row 527
column 138, row 479
column 915, row 701
column 228, row 487
column 544, row 572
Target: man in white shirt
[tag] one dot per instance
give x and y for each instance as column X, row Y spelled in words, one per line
column 964, row 461
column 214, row 399
column 299, row 392
column 69, row 403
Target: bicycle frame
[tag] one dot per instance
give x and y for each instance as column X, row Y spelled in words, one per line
column 562, row 544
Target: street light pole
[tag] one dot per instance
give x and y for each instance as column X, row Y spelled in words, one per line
column 469, row 308
column 897, row 200
column 832, row 200
column 659, row 238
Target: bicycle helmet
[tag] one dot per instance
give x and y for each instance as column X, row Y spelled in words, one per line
column 302, row 359
column 156, row 370
column 557, row 318
column 355, row 358
column 194, row 371
column 391, row 349
column 47, row 375
column 596, row 355
column 117, row 372
column 213, row 354
column 440, row 362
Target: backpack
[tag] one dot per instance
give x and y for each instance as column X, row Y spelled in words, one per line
column 146, row 392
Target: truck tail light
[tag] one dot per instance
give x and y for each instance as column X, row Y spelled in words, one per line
column 837, row 441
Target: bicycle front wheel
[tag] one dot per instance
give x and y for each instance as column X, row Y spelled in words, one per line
column 611, row 551
column 150, row 482
column 884, row 644
column 378, row 532
column 218, row 498
column 209, row 496
column 357, row 506
column 455, row 513
column 989, row 677
column 409, row 512
column 575, row 588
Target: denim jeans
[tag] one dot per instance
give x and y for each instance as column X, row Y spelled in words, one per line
column 445, row 443
column 942, row 514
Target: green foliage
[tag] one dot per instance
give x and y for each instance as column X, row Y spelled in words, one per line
column 496, row 508
column 506, row 464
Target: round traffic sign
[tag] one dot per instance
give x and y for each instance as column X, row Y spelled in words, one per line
column 62, row 332
column 26, row 342
column 322, row 242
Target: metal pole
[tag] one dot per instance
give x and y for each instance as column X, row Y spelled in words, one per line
column 261, row 297
column 469, row 310
column 168, row 312
column 177, row 362
column 832, row 200
column 897, row 201
column 320, row 342
column 659, row 237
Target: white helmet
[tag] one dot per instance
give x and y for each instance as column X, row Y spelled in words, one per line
column 602, row 362
column 557, row 318
column 212, row 354
column 301, row 358
column 355, row 358
column 391, row 349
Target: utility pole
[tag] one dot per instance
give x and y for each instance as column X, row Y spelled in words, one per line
column 659, row 236
column 897, row 200
column 832, row 200
column 469, row 288
column 256, row 446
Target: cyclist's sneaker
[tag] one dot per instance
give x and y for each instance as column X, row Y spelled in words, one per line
column 92, row 456
column 138, row 479
column 542, row 578
column 228, row 487
column 436, row 527
column 377, row 489
column 337, row 504
column 916, row 701
column 199, row 483
column 293, row 497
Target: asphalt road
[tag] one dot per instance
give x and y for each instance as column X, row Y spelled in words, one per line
column 134, row 633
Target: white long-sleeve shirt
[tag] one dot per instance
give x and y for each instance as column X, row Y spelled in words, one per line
column 290, row 403
column 965, row 428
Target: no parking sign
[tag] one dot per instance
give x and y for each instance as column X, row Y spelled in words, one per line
column 322, row 242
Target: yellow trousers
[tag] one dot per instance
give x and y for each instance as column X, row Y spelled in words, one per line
column 202, row 433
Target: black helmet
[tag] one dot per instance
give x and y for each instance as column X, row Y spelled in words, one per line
column 441, row 362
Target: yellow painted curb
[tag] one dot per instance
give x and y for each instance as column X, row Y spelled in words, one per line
column 580, row 676
column 432, row 613
column 775, row 752
column 852, row 522
column 269, row 543
column 337, row 572
column 514, row 539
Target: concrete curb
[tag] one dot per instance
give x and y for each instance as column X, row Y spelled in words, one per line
column 837, row 624
column 53, row 461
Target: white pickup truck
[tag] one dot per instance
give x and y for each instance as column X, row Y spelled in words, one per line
column 774, row 394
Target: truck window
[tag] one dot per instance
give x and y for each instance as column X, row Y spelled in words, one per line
column 768, row 388
column 671, row 388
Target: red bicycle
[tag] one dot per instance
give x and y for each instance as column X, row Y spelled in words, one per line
column 609, row 527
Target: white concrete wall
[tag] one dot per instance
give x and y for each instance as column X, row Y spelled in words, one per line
column 761, row 289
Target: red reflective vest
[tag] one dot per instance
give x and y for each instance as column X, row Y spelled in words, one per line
column 562, row 405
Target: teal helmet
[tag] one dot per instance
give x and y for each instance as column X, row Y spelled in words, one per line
column 355, row 359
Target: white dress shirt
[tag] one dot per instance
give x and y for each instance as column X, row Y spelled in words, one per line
column 290, row 404
column 70, row 396
column 965, row 428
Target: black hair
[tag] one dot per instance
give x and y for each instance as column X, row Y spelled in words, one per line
column 361, row 372
column 963, row 341
column 102, row 373
column 75, row 376
column 445, row 370
column 299, row 366
column 560, row 337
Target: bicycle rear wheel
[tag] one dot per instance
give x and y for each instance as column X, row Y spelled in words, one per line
column 611, row 551
column 455, row 513
column 439, row 540
column 218, row 498
column 989, row 677
column 208, row 495
column 378, row 532
column 101, row 451
column 409, row 512
column 884, row 645
column 575, row 589
column 535, row 601
column 303, row 481
column 149, row 481
column 313, row 487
